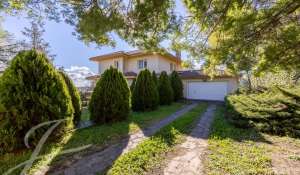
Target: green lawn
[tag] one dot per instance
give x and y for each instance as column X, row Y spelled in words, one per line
column 236, row 151
column 149, row 153
column 98, row 135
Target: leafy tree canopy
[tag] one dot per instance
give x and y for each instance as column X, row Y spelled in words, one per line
column 251, row 35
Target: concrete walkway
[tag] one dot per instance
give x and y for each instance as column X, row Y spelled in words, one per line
column 99, row 161
column 189, row 155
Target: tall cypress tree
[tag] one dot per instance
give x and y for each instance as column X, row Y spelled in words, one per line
column 75, row 96
column 31, row 92
column 145, row 94
column 132, row 85
column 177, row 86
column 110, row 100
column 154, row 76
column 165, row 89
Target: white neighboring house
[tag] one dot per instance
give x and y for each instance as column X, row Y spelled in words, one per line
column 197, row 85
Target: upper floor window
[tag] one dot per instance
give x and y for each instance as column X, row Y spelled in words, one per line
column 142, row 64
column 116, row 64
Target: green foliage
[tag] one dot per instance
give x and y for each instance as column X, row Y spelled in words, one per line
column 132, row 85
column 177, row 86
column 98, row 135
column 149, row 153
column 75, row 96
column 145, row 94
column 31, row 92
column 275, row 111
column 244, row 35
column 235, row 150
column 165, row 89
column 154, row 77
column 110, row 100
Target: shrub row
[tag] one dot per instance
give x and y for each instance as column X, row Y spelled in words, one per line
column 276, row 111
column 32, row 91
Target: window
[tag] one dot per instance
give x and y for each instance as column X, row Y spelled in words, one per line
column 116, row 64
column 142, row 64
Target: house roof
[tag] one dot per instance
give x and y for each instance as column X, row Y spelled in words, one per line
column 184, row 74
column 199, row 74
column 134, row 53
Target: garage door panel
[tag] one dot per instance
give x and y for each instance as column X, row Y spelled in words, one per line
column 207, row 90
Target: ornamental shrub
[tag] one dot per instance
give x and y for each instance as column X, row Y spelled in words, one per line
column 154, row 76
column 31, row 92
column 132, row 85
column 145, row 94
column 275, row 111
column 165, row 89
column 110, row 99
column 75, row 97
column 177, row 86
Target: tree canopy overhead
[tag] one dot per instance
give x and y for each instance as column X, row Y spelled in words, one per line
column 244, row 35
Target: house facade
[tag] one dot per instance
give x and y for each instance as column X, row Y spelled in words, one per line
column 197, row 85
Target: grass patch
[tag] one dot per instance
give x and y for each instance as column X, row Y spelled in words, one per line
column 148, row 153
column 234, row 150
column 85, row 114
column 98, row 135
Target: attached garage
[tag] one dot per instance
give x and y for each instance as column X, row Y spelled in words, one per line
column 198, row 86
column 197, row 90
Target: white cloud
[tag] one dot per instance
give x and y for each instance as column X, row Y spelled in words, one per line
column 78, row 74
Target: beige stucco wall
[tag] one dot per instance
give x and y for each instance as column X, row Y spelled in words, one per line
column 164, row 64
column 131, row 64
column 105, row 64
column 155, row 63
column 232, row 84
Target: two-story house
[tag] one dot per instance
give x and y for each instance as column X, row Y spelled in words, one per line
column 197, row 85
column 131, row 63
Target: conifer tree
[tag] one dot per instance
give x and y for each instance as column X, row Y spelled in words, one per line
column 177, row 86
column 145, row 94
column 110, row 100
column 165, row 89
column 31, row 92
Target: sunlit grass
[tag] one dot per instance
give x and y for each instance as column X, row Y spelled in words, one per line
column 97, row 135
column 235, row 151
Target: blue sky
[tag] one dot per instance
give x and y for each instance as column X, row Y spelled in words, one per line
column 69, row 50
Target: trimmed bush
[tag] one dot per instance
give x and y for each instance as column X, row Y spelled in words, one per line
column 75, row 96
column 275, row 111
column 154, row 76
column 177, row 86
column 165, row 89
column 132, row 85
column 145, row 94
column 31, row 92
column 110, row 100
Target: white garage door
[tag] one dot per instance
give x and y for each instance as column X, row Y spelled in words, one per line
column 207, row 90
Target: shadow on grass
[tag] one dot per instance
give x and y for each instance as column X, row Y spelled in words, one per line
column 109, row 141
column 149, row 153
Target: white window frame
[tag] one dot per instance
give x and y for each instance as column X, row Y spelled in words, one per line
column 142, row 64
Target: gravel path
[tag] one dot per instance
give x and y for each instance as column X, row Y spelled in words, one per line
column 189, row 155
column 99, row 161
